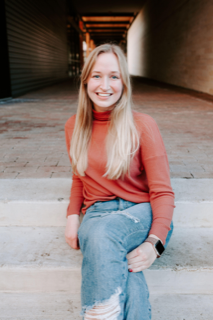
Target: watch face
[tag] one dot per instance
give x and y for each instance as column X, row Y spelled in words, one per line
column 159, row 247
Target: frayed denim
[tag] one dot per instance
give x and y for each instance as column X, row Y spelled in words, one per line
column 109, row 231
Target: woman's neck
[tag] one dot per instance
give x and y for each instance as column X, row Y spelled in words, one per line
column 101, row 116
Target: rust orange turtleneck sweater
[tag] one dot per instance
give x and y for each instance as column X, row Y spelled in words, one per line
column 149, row 179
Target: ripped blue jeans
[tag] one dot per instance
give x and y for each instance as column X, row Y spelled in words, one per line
column 109, row 231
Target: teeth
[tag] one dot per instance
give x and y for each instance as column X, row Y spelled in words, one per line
column 104, row 94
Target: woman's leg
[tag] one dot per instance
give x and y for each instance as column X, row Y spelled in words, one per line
column 137, row 298
column 105, row 239
column 137, row 291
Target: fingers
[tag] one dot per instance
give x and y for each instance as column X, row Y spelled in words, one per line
column 132, row 254
column 137, row 259
column 135, row 265
column 141, row 258
column 73, row 243
column 140, row 268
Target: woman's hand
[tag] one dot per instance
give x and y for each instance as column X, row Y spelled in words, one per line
column 71, row 236
column 141, row 257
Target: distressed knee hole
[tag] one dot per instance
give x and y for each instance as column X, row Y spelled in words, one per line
column 106, row 310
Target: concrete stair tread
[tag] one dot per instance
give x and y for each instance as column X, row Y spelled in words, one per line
column 43, row 202
column 55, row 306
column 59, row 189
column 34, row 189
column 45, row 247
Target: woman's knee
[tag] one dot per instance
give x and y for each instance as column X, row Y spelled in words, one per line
column 94, row 237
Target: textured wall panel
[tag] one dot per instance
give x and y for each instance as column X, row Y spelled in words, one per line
column 172, row 41
column 37, row 42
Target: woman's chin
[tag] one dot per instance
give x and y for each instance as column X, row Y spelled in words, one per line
column 103, row 108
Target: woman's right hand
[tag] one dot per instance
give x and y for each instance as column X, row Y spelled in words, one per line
column 71, row 236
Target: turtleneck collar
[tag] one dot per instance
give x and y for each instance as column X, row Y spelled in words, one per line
column 101, row 116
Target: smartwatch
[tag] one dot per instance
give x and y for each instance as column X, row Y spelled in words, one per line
column 158, row 246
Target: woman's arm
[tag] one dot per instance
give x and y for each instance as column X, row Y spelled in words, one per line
column 71, row 231
column 73, row 212
column 156, row 166
column 76, row 197
column 76, row 194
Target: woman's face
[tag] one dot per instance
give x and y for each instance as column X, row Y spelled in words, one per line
column 104, row 85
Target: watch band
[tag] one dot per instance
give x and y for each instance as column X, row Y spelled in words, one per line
column 153, row 241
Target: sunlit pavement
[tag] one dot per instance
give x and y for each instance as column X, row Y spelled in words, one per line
column 32, row 143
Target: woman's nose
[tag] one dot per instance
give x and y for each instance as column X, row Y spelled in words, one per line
column 105, row 83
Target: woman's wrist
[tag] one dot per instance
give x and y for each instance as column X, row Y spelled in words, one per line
column 154, row 236
column 77, row 216
column 157, row 244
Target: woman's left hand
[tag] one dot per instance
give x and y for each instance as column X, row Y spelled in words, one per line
column 141, row 257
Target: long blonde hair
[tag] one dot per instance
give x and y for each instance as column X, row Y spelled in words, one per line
column 122, row 139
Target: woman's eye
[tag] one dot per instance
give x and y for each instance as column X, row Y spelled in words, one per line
column 96, row 76
column 114, row 77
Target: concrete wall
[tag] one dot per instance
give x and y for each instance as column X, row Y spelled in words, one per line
column 172, row 41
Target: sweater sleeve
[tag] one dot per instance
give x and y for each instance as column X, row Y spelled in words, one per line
column 76, row 194
column 156, row 165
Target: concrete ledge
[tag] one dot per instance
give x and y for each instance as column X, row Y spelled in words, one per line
column 39, row 260
column 54, row 306
column 68, row 280
column 53, row 213
column 196, row 190
column 43, row 202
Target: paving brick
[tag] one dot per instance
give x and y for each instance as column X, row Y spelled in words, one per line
column 61, row 175
column 180, row 174
column 50, row 163
column 35, row 163
column 202, row 175
column 9, row 159
column 54, row 169
column 15, row 164
column 21, row 169
column 8, row 175
column 195, row 168
column 33, row 175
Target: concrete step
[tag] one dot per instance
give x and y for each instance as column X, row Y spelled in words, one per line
column 37, row 259
column 43, row 202
column 58, row 306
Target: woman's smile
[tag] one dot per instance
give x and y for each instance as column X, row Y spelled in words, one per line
column 104, row 95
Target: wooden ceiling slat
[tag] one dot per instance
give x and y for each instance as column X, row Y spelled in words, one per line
column 107, row 22
column 115, row 14
column 112, row 25
column 106, row 34
column 106, row 29
column 106, row 18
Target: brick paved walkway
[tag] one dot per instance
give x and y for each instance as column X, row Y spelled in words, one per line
column 32, row 130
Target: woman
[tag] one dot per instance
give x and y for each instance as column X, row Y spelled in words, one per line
column 121, row 178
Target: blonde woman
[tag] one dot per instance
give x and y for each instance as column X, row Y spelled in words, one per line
column 121, row 182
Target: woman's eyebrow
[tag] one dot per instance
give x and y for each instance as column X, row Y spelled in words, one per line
column 100, row 72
